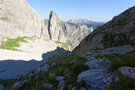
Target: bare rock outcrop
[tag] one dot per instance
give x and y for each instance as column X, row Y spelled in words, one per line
column 18, row 18
column 55, row 28
column 64, row 32
column 117, row 32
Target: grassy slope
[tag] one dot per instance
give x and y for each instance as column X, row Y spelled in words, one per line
column 63, row 67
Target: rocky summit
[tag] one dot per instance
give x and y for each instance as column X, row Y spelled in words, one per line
column 117, row 32
column 58, row 30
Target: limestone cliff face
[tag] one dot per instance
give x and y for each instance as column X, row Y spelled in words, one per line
column 117, row 32
column 55, row 28
column 64, row 32
column 18, row 18
column 75, row 34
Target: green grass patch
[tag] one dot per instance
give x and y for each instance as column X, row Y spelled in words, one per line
column 8, row 83
column 127, row 59
column 124, row 83
column 63, row 67
column 107, row 56
column 63, row 45
column 12, row 43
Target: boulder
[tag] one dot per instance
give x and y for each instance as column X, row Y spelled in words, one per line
column 1, row 87
column 48, row 85
column 93, row 78
column 60, row 78
column 127, row 71
column 61, row 85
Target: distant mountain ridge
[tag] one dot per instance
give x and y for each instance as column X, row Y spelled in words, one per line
column 89, row 23
column 117, row 32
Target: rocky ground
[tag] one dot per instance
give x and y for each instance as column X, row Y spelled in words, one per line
column 96, row 77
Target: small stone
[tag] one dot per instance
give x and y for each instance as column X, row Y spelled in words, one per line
column 60, row 78
column 69, row 86
column 74, row 88
column 82, row 88
column 17, row 84
column 53, row 64
column 47, row 85
column 24, row 81
column 61, row 84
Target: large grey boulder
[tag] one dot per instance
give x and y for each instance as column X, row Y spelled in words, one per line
column 1, row 87
column 128, row 71
column 18, row 18
column 93, row 78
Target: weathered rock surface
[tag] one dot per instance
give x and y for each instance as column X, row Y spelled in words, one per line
column 42, row 69
column 76, row 33
column 44, row 31
column 18, row 18
column 64, row 32
column 117, row 32
column 128, row 71
column 49, row 86
column 55, row 29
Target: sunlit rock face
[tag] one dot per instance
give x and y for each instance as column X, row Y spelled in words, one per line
column 18, row 18
column 119, row 31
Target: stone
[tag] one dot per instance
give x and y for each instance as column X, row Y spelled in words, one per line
column 54, row 64
column 61, row 85
column 82, row 88
column 17, row 84
column 42, row 69
column 70, row 87
column 74, row 88
column 47, row 85
column 18, row 19
column 127, row 71
column 1, row 87
column 98, row 64
column 60, row 78
column 24, row 81
column 93, row 78
column 29, row 76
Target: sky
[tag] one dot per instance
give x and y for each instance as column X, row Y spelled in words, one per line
column 95, row 10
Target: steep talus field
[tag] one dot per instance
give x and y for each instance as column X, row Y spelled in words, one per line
column 117, row 32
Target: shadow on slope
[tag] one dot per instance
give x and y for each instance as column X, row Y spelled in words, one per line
column 10, row 69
